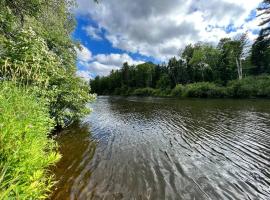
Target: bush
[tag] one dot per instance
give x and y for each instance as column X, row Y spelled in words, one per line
column 203, row 90
column 144, row 92
column 25, row 150
column 258, row 86
column 178, row 90
column 27, row 59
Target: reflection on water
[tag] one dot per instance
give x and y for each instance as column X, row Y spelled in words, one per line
column 77, row 149
column 147, row 148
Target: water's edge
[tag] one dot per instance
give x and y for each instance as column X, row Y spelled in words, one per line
column 159, row 148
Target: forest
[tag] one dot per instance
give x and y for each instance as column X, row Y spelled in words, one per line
column 235, row 67
column 201, row 70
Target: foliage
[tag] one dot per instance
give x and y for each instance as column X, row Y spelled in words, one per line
column 258, row 86
column 40, row 91
column 201, row 67
column 265, row 11
column 36, row 50
column 25, row 150
column 144, row 92
column 178, row 90
column 203, row 90
column 260, row 54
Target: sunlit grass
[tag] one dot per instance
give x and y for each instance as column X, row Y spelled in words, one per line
column 26, row 152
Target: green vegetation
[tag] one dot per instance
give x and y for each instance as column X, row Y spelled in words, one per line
column 204, row 90
column 201, row 70
column 39, row 91
column 161, row 84
column 36, row 50
column 25, row 150
column 258, row 86
column 249, row 87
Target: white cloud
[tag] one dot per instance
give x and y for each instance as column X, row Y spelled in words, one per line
column 100, row 69
column 84, row 54
column 94, row 33
column 86, row 75
column 101, row 64
column 159, row 28
column 115, row 59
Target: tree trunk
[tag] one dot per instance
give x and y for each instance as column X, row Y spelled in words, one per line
column 239, row 68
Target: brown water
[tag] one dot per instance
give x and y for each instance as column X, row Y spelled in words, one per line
column 148, row 148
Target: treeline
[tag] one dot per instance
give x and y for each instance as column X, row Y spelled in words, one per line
column 231, row 59
column 38, row 91
column 221, row 65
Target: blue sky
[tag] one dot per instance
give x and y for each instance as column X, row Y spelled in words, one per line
column 113, row 32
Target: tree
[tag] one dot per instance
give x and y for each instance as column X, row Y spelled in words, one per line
column 241, row 51
column 264, row 10
column 37, row 51
column 232, row 54
column 126, row 74
column 260, row 54
column 204, row 61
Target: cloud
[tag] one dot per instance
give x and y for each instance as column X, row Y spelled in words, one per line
column 86, row 75
column 115, row 59
column 100, row 64
column 160, row 28
column 97, row 68
column 94, row 33
column 84, row 54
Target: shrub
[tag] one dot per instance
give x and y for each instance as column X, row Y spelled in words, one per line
column 178, row 90
column 144, row 92
column 27, row 59
column 203, row 90
column 25, row 150
column 158, row 93
column 258, row 86
column 238, row 88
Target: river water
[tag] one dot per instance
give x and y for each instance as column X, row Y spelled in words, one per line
column 150, row 148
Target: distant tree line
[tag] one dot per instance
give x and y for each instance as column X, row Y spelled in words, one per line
column 231, row 59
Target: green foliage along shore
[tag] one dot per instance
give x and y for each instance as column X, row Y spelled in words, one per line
column 249, row 87
column 36, row 49
column 25, row 149
column 39, row 91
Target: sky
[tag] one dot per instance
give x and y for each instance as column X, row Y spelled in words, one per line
column 135, row 31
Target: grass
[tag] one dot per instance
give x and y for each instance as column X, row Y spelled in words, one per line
column 26, row 151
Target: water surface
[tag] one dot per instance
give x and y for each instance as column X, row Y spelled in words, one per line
column 150, row 148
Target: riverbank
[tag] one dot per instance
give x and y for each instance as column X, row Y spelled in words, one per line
column 39, row 90
column 249, row 87
column 26, row 151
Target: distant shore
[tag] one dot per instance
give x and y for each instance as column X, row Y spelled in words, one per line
column 249, row 87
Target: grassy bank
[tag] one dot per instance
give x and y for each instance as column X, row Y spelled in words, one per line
column 26, row 152
column 249, row 87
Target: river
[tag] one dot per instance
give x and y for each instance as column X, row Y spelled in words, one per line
column 151, row 148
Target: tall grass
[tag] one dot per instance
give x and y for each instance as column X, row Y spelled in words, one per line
column 26, row 152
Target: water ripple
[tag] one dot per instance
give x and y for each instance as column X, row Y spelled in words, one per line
column 145, row 148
